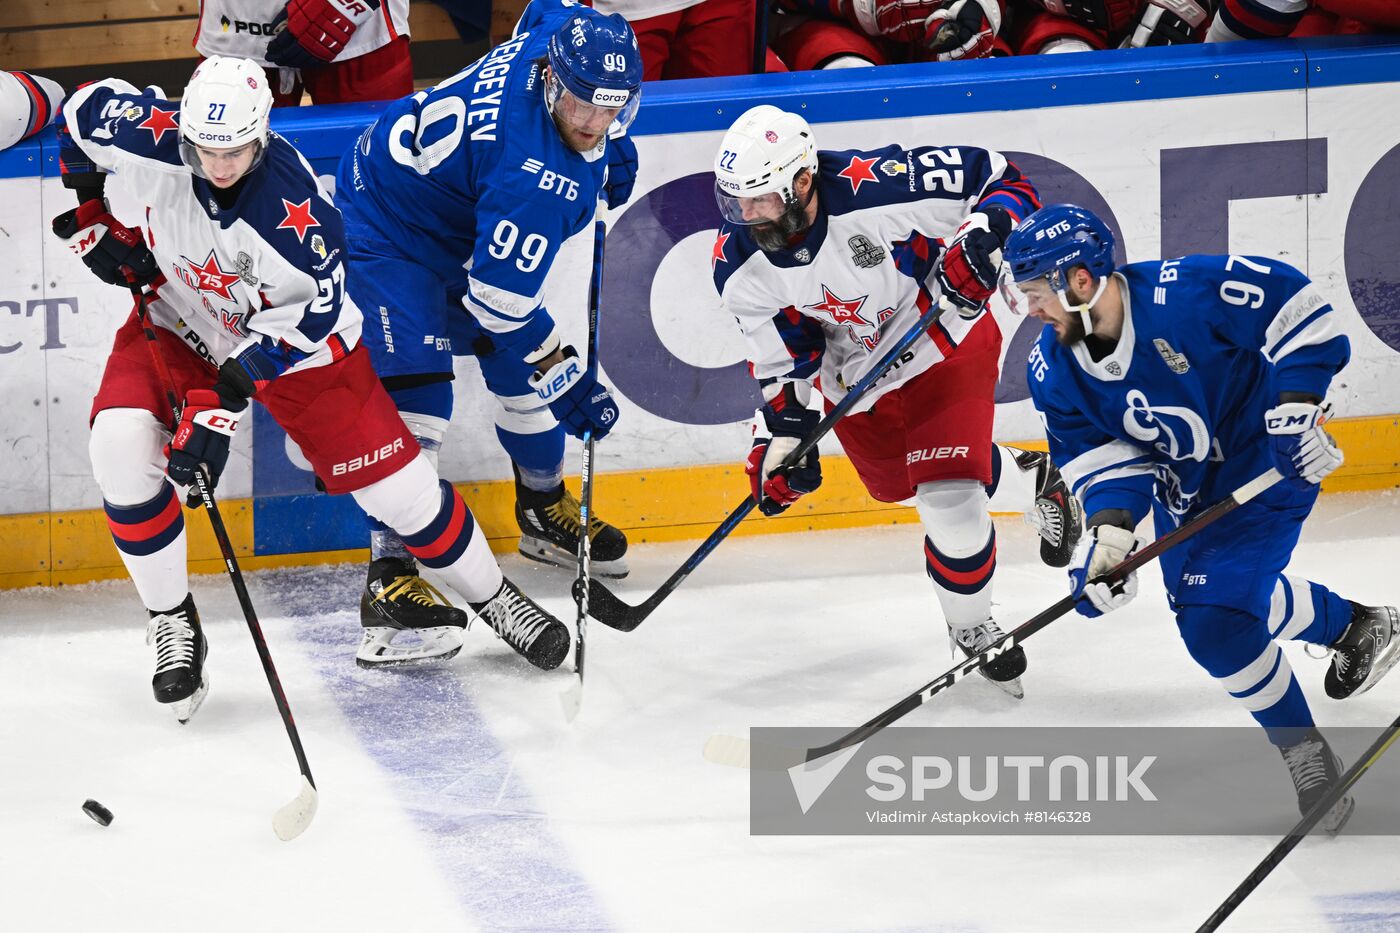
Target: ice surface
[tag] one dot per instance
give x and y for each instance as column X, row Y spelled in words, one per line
column 457, row 798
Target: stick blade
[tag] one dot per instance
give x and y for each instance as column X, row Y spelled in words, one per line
column 571, row 699
column 604, row 606
column 728, row 750
column 291, row 821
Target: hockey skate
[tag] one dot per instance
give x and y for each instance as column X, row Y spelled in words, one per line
column 396, row 600
column 1314, row 768
column 1057, row 516
column 549, row 531
column 1368, row 648
column 536, row 635
column 1003, row 671
column 179, row 680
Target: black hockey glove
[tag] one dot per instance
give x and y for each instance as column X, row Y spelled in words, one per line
column 207, row 422
column 1171, row 22
column 107, row 247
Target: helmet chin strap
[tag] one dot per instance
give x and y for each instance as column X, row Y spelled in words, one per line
column 1083, row 309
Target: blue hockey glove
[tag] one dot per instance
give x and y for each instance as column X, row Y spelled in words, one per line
column 1100, row 550
column 207, row 422
column 1302, row 450
column 576, row 397
column 622, row 171
column 778, row 428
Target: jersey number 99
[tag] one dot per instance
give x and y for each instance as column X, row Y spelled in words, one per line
column 503, row 242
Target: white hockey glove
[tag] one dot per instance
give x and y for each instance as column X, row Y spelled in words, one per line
column 1100, row 550
column 1302, row 449
column 964, row 29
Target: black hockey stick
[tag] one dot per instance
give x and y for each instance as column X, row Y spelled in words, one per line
column 292, row 819
column 735, row 751
column 607, row 608
column 572, row 698
column 1289, row 842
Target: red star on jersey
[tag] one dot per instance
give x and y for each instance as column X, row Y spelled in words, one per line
column 841, row 311
column 298, row 218
column 159, row 122
column 717, row 254
column 858, row 172
column 211, row 278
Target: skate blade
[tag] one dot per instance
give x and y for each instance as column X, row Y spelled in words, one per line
column 377, row 649
column 543, row 552
column 1011, row 687
column 1332, row 823
column 185, row 709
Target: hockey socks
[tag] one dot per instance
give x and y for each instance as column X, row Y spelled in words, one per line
column 151, row 540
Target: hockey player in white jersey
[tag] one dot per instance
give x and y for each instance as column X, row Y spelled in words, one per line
column 824, row 256
column 1167, row 385
column 457, row 201
column 245, row 258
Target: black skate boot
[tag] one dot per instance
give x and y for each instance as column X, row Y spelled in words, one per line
column 1315, row 768
column 549, row 530
column 538, row 637
column 180, row 651
column 1005, row 669
column 1368, row 648
column 1058, row 515
column 395, row 600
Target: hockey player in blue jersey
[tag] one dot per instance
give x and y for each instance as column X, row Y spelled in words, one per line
column 1165, row 386
column 823, row 258
column 456, row 202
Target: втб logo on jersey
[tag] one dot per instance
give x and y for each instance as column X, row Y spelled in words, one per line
column 1178, row 432
column 552, row 181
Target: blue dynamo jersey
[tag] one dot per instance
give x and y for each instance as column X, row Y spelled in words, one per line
column 1176, row 411
column 472, row 180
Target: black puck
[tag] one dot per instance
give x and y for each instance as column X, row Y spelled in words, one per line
column 100, row 814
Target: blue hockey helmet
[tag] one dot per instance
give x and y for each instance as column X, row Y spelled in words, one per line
column 596, row 59
column 1056, row 238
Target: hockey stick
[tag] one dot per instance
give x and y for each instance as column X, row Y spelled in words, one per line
column 607, row 608
column 292, row 818
column 1289, row 842
column 572, row 698
column 737, row 752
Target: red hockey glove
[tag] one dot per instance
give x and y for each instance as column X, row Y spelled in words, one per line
column 316, row 31
column 968, row 271
column 779, row 427
column 900, row 20
column 207, row 422
column 107, row 247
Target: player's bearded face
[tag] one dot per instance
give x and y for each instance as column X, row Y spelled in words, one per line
column 773, row 221
column 223, row 167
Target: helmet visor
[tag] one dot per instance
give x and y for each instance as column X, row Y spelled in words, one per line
column 760, row 209
column 610, row 111
column 221, row 167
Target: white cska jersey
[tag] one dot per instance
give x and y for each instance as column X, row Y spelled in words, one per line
column 243, row 28
column 264, row 280
column 822, row 308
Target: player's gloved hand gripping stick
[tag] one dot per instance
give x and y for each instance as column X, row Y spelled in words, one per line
column 607, row 608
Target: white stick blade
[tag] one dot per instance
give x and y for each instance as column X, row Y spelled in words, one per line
column 728, row 750
column 291, row 821
column 572, row 699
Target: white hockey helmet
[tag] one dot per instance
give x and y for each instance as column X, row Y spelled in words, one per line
column 225, row 106
column 762, row 154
